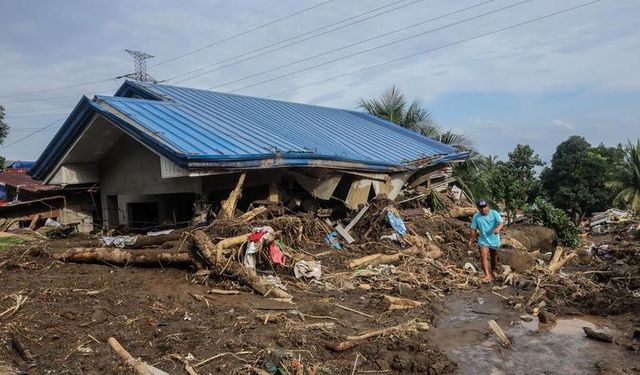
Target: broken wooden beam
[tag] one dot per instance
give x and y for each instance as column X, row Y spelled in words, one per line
column 504, row 340
column 229, row 205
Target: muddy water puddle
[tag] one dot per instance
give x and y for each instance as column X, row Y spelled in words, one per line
column 463, row 333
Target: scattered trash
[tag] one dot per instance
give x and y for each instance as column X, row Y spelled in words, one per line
column 119, row 241
column 470, row 267
column 160, row 233
column 52, row 223
column 275, row 280
column 332, row 240
column 396, row 223
column 186, row 316
column 309, row 269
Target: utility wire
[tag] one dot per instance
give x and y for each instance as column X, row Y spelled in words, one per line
column 382, row 36
column 472, row 18
column 32, row 134
column 176, row 57
column 423, row 52
column 241, row 33
column 297, row 41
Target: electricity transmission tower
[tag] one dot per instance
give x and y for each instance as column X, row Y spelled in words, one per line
column 140, row 61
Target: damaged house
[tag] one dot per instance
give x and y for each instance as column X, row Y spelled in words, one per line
column 162, row 154
column 25, row 202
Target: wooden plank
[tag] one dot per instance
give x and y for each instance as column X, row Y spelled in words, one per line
column 358, row 193
column 343, row 232
column 357, row 218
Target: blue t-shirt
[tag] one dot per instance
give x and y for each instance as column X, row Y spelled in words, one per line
column 485, row 225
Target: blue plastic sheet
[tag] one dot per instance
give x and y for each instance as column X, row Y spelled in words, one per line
column 332, row 240
column 396, row 223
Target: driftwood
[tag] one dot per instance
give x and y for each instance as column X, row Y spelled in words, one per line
column 212, row 254
column 397, row 303
column 557, row 262
column 34, row 222
column 229, row 205
column 350, row 341
column 504, row 340
column 461, row 212
column 433, row 252
column 138, row 366
column 250, row 215
column 118, row 256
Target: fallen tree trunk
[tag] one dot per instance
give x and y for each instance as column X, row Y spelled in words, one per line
column 121, row 257
column 462, row 212
column 350, row 341
column 433, row 252
column 210, row 252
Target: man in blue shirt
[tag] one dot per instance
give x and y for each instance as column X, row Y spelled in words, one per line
column 485, row 227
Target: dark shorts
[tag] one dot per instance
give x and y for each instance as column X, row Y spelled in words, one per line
column 489, row 247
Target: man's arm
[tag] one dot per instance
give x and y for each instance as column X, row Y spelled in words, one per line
column 472, row 237
column 500, row 224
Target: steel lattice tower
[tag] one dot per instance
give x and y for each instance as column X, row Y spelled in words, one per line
column 140, row 61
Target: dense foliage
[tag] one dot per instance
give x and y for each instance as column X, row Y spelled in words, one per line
column 545, row 213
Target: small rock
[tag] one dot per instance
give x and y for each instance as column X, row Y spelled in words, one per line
column 526, row 318
column 546, row 317
column 598, row 336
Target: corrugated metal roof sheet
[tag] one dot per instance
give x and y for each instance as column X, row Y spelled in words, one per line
column 213, row 125
column 198, row 129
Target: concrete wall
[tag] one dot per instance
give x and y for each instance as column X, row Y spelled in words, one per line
column 79, row 209
column 132, row 172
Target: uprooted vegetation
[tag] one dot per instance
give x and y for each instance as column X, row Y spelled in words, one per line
column 271, row 292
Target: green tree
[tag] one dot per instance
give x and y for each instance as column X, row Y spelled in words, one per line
column 627, row 185
column 393, row 106
column 545, row 213
column 513, row 181
column 576, row 179
column 4, row 131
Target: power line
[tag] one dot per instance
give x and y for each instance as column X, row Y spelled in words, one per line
column 58, row 88
column 382, row 36
column 423, row 52
column 293, row 38
column 377, row 47
column 242, row 33
column 173, row 58
column 32, row 134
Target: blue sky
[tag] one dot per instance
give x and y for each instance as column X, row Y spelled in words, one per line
column 575, row 73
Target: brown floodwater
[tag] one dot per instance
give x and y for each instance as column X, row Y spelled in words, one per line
column 463, row 333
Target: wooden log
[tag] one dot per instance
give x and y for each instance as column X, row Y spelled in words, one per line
column 504, row 340
column 120, row 257
column 351, row 341
column 462, row 212
column 137, row 365
column 248, row 216
column 22, row 350
column 229, row 205
column 397, row 303
column 208, row 249
column 34, row 222
column 376, row 259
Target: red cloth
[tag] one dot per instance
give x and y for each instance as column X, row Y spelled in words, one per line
column 275, row 254
column 256, row 236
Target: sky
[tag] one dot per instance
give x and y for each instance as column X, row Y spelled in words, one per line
column 496, row 70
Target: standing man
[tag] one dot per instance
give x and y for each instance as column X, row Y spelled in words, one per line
column 485, row 227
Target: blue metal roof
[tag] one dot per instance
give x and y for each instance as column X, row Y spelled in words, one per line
column 198, row 128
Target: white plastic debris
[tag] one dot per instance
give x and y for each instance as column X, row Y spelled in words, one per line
column 307, row 268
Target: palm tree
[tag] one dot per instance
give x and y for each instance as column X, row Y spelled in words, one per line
column 393, row 106
column 628, row 185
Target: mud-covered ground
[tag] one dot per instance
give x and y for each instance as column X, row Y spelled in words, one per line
column 165, row 315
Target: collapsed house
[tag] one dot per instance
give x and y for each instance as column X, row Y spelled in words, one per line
column 25, row 202
column 164, row 154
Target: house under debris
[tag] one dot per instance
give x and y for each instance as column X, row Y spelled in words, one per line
column 25, row 202
column 162, row 154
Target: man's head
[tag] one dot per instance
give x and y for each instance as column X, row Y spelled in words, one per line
column 483, row 206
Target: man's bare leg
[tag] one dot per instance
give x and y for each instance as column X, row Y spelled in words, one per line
column 494, row 262
column 484, row 260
